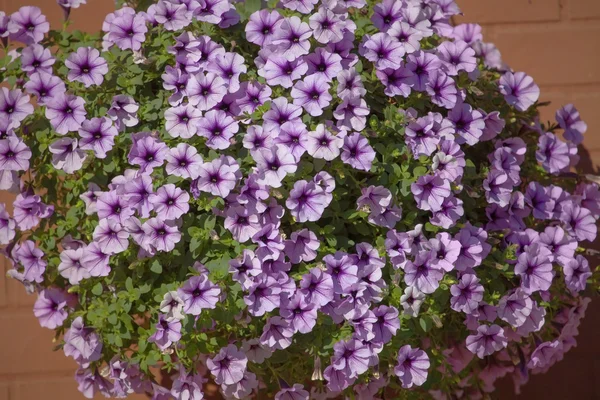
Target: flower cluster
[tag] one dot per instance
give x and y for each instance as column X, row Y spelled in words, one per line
column 307, row 199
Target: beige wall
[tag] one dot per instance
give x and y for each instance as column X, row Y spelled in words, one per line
column 555, row 41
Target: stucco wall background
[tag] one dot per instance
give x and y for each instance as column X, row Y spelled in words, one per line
column 555, row 41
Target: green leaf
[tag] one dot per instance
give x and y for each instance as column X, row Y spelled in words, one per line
column 156, row 267
column 425, row 322
column 97, row 289
column 129, row 284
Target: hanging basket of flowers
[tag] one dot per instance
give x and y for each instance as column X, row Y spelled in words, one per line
column 292, row 199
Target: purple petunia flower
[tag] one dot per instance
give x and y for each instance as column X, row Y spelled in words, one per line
column 422, row 274
column 553, row 153
column 442, row 89
column 278, row 70
column 243, row 388
column 110, row 205
column 302, row 6
column 312, row 94
column 111, row 237
column 498, row 188
column 300, row 314
column 66, row 113
column 82, row 343
column 430, row 192
column 277, row 334
column 412, row 366
column 199, row 293
column 274, row 164
column 534, row 266
column 515, row 307
column 182, row 121
column 36, row 58
column 32, row 259
column 8, row 225
column 95, row 260
column 397, row 81
column 245, row 268
column 160, row 235
column 28, row 210
column 166, row 333
column 382, row 50
column 172, row 16
column 421, row 64
column 322, row 143
column 519, row 90
column 147, row 152
column 292, row 38
column 487, row 340
column 351, row 357
column 357, row 152
column 170, row 202
column 28, row 25
column 14, row 105
column 337, row 380
column 386, row 325
column 456, row 56
column 125, row 28
column 45, row 86
column 216, row 177
column 261, row 27
column 324, row 64
column 467, row 294
column 97, row 134
column 188, row 386
column 302, row 246
column 228, row 66
column 205, row 91
column 263, row 295
column 579, row 221
column 50, row 307
column 569, row 119
column 14, row 154
column 183, row 161
column 218, row 128
column 327, row 26
column 577, row 271
column 70, row 266
column 86, row 66
column 317, row 287
column 296, row 392
column 386, row 13
column 306, row 201
column 66, row 156
column 123, row 111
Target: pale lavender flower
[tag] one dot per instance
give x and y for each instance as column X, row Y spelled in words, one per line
column 519, row 90
column 183, row 161
column 292, row 38
column 182, row 121
column 274, row 164
column 277, row 334
column 261, row 27
column 306, row 201
column 28, row 25
column 199, row 293
column 383, row 50
column 36, row 58
column 14, row 105
column 66, row 156
column 70, row 266
column 487, row 340
column 312, row 94
column 322, row 143
column 51, row 307
column 66, row 113
column 412, row 366
column 357, row 152
column 86, row 66
column 97, row 134
column 170, row 202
